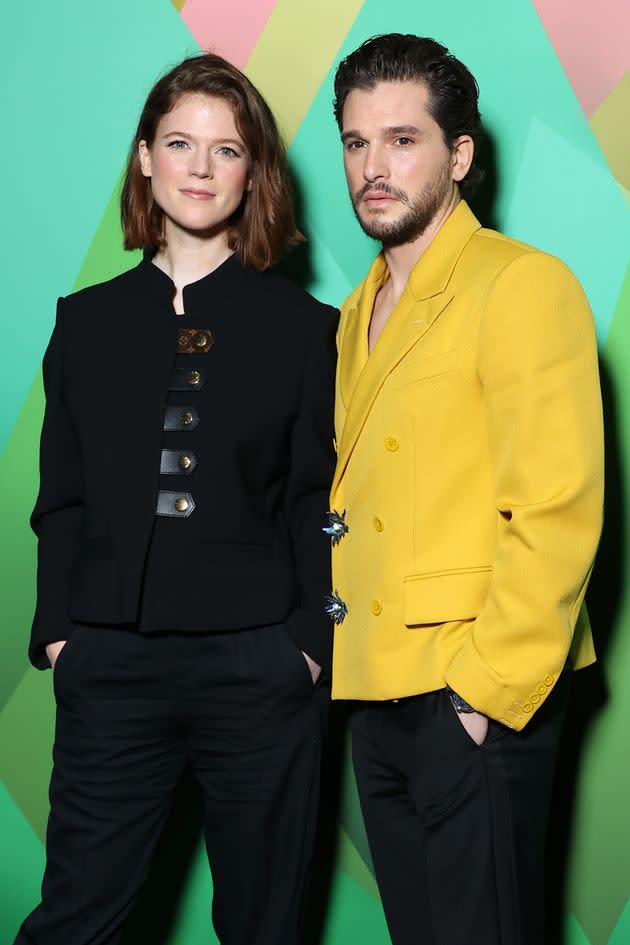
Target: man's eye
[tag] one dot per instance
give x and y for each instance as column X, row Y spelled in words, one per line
column 354, row 145
column 403, row 141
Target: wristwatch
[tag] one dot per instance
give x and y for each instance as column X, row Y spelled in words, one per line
column 460, row 705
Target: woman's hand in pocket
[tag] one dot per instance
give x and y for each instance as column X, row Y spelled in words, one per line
column 314, row 667
column 53, row 650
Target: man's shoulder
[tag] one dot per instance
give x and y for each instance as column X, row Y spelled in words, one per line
column 490, row 253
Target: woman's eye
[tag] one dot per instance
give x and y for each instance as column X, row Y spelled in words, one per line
column 227, row 151
column 178, row 144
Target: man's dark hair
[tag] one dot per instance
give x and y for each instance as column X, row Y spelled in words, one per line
column 453, row 90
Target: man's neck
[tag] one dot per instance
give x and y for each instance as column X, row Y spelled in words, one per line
column 402, row 259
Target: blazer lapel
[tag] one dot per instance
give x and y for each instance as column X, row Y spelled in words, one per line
column 425, row 297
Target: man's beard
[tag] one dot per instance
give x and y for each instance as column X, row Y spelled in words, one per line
column 421, row 210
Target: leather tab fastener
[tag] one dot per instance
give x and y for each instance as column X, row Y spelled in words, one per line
column 180, row 418
column 183, row 379
column 175, row 504
column 194, row 340
column 177, row 462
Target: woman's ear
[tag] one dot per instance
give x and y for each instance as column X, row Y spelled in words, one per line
column 145, row 158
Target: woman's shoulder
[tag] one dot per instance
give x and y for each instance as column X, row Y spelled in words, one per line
column 102, row 293
column 290, row 298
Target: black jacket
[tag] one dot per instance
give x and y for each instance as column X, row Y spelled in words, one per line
column 256, row 553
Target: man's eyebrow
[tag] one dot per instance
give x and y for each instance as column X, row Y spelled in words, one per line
column 402, row 130
column 350, row 134
column 386, row 132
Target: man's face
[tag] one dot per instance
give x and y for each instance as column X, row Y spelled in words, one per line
column 398, row 168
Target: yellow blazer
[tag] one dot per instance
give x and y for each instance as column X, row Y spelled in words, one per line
column 470, row 470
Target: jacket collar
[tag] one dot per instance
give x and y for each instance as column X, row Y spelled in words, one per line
column 426, row 295
column 154, row 281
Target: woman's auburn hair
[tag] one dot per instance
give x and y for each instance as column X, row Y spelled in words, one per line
column 263, row 227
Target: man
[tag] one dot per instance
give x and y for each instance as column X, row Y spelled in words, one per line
column 465, row 510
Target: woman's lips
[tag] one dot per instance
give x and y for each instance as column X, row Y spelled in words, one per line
column 197, row 194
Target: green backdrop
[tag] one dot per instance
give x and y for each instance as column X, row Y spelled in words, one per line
column 555, row 84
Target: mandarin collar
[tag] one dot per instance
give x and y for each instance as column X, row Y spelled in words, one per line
column 162, row 288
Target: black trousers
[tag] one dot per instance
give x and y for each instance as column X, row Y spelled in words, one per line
column 132, row 710
column 456, row 830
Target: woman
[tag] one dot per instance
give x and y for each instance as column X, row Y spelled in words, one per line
column 186, row 456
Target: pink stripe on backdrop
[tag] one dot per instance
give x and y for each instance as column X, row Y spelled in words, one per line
column 592, row 41
column 230, row 29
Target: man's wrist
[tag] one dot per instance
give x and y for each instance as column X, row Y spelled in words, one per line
column 459, row 704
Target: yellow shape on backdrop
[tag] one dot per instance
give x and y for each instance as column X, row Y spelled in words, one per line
column 288, row 78
column 612, row 129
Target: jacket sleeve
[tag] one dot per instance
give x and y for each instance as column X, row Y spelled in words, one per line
column 312, row 463
column 537, row 361
column 57, row 516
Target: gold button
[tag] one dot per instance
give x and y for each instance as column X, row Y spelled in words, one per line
column 528, row 707
column 182, row 341
column 542, row 688
column 181, row 504
column 549, row 680
column 200, row 341
column 391, row 443
column 535, row 698
column 186, row 418
column 193, row 378
column 184, row 462
column 378, row 524
column 376, row 607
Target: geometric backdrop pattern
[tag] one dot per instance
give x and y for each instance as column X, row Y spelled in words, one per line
column 555, row 98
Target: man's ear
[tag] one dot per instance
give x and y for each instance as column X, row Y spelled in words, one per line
column 462, row 156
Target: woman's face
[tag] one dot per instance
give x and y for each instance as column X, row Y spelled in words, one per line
column 198, row 165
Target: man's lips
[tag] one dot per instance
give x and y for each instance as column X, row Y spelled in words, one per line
column 197, row 194
column 377, row 196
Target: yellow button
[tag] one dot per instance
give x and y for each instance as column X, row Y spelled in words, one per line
column 181, row 504
column 535, row 698
column 549, row 679
column 200, row 341
column 184, row 462
column 186, row 417
column 376, row 607
column 542, row 688
column 378, row 524
column 193, row 378
column 391, row 443
column 528, row 707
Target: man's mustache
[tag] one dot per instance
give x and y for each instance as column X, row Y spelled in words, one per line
column 383, row 189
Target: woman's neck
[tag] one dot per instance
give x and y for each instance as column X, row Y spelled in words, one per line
column 187, row 258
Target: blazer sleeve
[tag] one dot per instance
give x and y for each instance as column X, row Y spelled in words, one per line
column 537, row 361
column 58, row 512
column 312, row 462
